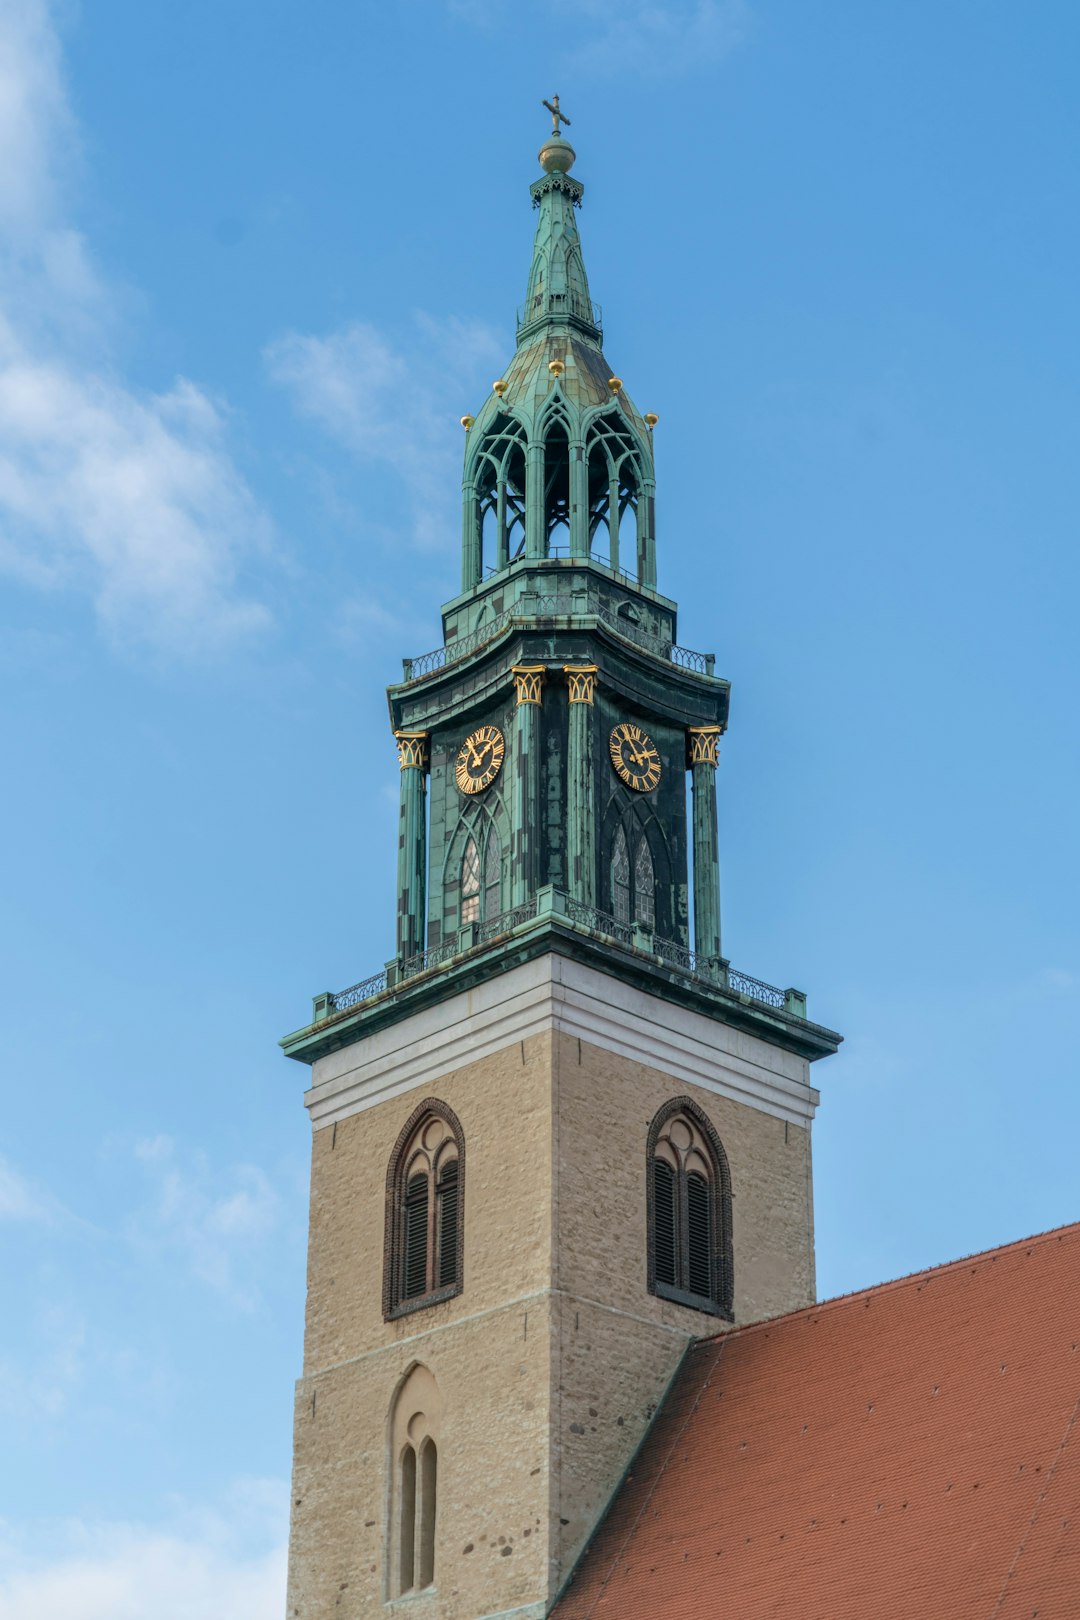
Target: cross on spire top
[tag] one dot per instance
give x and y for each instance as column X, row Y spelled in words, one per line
column 557, row 117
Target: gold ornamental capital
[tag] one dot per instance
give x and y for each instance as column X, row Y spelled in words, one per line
column 412, row 749
column 528, row 679
column 704, row 744
column 582, row 679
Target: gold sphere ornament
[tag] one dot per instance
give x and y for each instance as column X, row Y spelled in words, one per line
column 556, row 367
column 556, row 155
column 467, row 422
column 499, row 387
column 650, row 419
column 615, row 384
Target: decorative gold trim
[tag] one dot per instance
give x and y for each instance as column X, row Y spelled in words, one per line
column 412, row 749
column 704, row 744
column 582, row 679
column 528, row 679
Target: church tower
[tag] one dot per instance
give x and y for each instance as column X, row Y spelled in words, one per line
column 558, row 1137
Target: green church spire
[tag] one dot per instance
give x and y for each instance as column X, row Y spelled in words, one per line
column 558, row 459
column 558, row 290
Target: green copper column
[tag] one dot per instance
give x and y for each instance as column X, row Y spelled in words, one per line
column 471, row 568
column 412, row 844
column 535, row 538
column 703, row 747
column 579, row 501
column 525, row 820
column 580, row 820
column 646, row 533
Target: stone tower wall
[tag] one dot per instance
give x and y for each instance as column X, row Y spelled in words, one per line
column 551, row 1360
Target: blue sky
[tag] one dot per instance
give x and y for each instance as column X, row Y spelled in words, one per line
column 256, row 258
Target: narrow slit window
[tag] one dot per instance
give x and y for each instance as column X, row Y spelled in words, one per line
column 407, row 1524
column 425, row 1562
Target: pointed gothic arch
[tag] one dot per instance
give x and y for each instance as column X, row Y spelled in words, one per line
column 637, row 864
column 423, row 1250
column 495, row 484
column 555, row 433
column 485, row 826
column 690, row 1255
column 615, row 485
column 414, row 1435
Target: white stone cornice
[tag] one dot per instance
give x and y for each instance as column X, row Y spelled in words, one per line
column 554, row 993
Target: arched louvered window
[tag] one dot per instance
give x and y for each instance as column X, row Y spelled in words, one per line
column 424, row 1204
column 415, row 1426
column 633, row 889
column 689, row 1211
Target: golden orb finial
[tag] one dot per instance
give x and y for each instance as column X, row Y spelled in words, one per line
column 467, row 422
column 615, row 384
column 556, row 367
column 499, row 387
column 650, row 419
column 555, row 152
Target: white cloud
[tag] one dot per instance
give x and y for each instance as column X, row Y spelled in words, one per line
column 224, row 1564
column 129, row 496
column 613, row 38
column 396, row 406
column 20, row 1200
column 217, row 1224
column 656, row 40
column 43, row 1386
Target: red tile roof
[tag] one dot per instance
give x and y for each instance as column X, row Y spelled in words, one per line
column 912, row 1451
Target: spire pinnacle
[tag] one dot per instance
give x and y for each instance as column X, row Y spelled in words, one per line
column 556, row 154
column 558, row 290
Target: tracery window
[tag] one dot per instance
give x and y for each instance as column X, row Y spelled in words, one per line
column 500, row 495
column 614, row 476
column 470, row 883
column 424, row 1204
column 415, row 1423
column 556, row 485
column 633, row 891
column 689, row 1210
column 481, row 877
column 620, row 879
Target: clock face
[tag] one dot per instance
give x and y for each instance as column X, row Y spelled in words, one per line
column 634, row 756
column 479, row 759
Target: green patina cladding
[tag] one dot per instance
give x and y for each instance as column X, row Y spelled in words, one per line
column 706, row 863
column 580, row 806
column 558, row 569
column 558, row 558
column 412, row 862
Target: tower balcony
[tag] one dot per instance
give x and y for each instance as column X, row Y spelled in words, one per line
column 567, row 594
column 553, row 920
